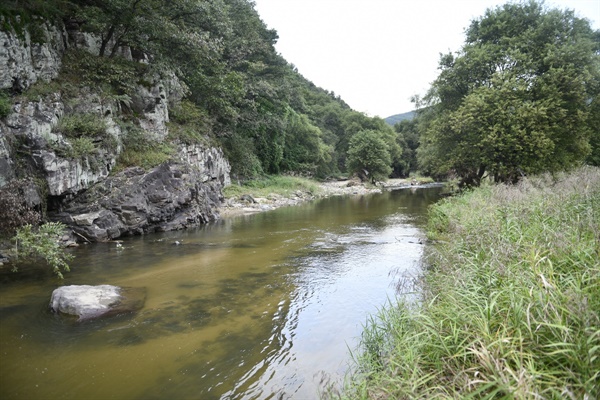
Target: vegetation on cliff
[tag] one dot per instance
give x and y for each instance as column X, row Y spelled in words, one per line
column 510, row 301
column 238, row 90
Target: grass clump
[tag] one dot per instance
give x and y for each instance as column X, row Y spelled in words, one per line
column 82, row 125
column 142, row 150
column 5, row 104
column 510, row 302
column 277, row 184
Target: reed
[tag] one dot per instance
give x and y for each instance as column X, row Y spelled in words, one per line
column 510, row 301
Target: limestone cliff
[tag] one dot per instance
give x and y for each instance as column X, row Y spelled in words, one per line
column 83, row 190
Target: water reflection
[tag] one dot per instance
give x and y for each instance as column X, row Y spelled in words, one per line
column 251, row 307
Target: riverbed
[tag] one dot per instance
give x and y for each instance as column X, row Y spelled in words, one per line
column 261, row 306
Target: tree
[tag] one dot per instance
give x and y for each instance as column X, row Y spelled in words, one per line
column 304, row 149
column 516, row 99
column 408, row 139
column 369, row 156
column 43, row 242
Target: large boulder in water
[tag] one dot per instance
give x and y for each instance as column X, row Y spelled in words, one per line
column 88, row 302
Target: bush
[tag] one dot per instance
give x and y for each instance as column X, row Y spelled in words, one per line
column 141, row 150
column 115, row 75
column 31, row 243
column 82, row 125
column 82, row 147
column 5, row 105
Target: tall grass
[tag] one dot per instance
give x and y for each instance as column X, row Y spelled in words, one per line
column 510, row 304
column 276, row 184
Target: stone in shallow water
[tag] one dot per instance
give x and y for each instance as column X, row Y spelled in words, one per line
column 89, row 302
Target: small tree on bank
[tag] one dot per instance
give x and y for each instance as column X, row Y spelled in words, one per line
column 43, row 243
column 369, row 156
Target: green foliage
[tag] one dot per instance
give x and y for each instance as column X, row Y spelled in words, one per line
column 245, row 164
column 82, row 125
column 42, row 89
column 369, row 156
column 19, row 14
column 141, row 150
column 594, row 124
column 304, row 149
column 84, row 131
column 43, row 243
column 239, row 91
column 277, row 184
column 510, row 300
column 408, row 138
column 81, row 147
column 5, row 104
column 516, row 99
column 189, row 124
column 109, row 75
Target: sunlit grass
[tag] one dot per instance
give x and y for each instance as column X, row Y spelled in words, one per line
column 278, row 184
column 510, row 306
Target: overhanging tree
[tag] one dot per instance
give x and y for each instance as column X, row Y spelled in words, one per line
column 516, row 99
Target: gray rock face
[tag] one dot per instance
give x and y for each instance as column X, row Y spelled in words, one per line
column 89, row 302
column 23, row 61
column 173, row 196
column 81, row 191
column 33, row 123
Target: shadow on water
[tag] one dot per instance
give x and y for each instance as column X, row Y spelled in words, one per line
column 259, row 306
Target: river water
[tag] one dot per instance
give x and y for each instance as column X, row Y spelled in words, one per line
column 266, row 306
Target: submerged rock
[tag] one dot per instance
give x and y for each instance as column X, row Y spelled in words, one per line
column 89, row 302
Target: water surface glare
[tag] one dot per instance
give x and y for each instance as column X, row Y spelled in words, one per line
column 265, row 306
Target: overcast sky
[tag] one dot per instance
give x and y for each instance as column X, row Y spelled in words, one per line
column 376, row 54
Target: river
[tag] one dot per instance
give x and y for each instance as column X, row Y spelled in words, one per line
column 266, row 306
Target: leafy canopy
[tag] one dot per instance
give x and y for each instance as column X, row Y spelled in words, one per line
column 43, row 243
column 369, row 156
column 517, row 98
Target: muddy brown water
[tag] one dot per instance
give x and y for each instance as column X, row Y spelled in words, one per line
column 267, row 306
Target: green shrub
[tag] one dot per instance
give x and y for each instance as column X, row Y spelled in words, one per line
column 189, row 124
column 42, row 89
column 369, row 156
column 82, row 125
column 5, row 105
column 187, row 113
column 104, row 74
column 141, row 150
column 241, row 151
column 82, row 147
column 186, row 135
column 42, row 243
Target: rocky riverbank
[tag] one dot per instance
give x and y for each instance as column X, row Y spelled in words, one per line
column 248, row 203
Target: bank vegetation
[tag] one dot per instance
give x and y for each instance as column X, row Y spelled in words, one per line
column 509, row 303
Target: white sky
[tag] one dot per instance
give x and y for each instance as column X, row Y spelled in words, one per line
column 376, row 54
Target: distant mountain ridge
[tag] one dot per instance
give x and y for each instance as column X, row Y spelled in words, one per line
column 394, row 119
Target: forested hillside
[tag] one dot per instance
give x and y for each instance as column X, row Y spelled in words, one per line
column 239, row 91
column 396, row 118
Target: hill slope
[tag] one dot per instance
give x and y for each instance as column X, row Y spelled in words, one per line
column 394, row 119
